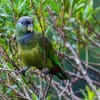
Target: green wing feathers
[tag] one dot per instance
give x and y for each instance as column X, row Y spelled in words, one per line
column 48, row 51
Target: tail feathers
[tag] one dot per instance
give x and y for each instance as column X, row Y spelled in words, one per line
column 59, row 72
column 62, row 75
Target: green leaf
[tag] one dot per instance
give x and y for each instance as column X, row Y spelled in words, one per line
column 73, row 2
column 90, row 95
column 79, row 7
column 3, row 43
column 10, row 90
column 22, row 5
column 49, row 97
column 34, row 97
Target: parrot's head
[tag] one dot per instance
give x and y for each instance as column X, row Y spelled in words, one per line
column 24, row 25
column 25, row 34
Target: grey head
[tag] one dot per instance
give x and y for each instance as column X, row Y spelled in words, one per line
column 25, row 20
column 24, row 24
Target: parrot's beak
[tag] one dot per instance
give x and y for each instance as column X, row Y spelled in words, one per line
column 30, row 28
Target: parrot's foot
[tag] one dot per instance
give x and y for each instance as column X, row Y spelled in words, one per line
column 22, row 71
column 45, row 71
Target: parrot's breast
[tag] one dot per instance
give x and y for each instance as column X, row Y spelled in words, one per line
column 32, row 57
column 26, row 41
column 32, row 53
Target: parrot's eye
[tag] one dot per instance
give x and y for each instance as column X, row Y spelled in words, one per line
column 26, row 23
column 23, row 23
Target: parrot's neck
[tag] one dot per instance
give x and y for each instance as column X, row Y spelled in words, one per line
column 27, row 41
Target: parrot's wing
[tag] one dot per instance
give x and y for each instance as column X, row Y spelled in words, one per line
column 48, row 51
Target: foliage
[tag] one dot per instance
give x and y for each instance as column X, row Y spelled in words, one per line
column 73, row 28
column 90, row 94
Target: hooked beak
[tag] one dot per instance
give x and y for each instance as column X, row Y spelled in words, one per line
column 30, row 28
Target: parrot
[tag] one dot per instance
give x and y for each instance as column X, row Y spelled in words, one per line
column 36, row 49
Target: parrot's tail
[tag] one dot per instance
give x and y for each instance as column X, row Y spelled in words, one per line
column 62, row 75
column 59, row 73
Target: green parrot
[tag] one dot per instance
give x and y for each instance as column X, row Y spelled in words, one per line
column 35, row 49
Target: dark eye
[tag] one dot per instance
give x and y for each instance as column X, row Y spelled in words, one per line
column 23, row 23
column 26, row 22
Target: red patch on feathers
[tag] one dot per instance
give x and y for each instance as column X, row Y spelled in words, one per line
column 55, row 70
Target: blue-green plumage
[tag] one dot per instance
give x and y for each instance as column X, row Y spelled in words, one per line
column 35, row 49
